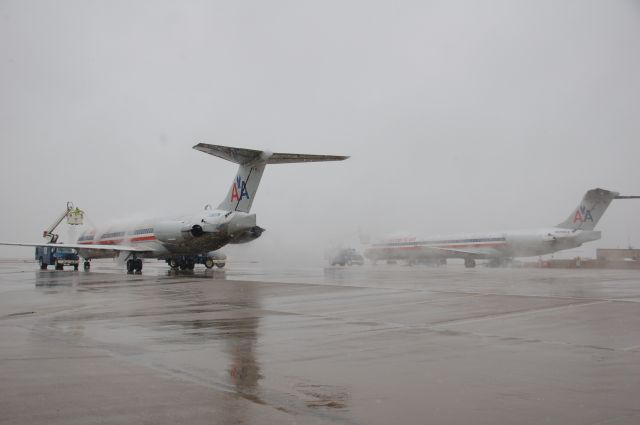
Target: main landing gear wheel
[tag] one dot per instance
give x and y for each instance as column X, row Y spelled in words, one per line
column 87, row 265
column 173, row 263
column 43, row 265
column 191, row 264
column 208, row 263
column 469, row 263
column 134, row 265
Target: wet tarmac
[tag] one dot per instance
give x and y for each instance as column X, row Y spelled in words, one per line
column 361, row 345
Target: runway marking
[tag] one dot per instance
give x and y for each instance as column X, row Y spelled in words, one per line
column 24, row 313
column 517, row 313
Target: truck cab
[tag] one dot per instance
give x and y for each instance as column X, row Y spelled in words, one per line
column 58, row 257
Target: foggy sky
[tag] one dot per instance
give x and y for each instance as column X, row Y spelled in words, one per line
column 459, row 116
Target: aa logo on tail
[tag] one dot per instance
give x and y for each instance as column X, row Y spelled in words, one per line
column 582, row 215
column 239, row 190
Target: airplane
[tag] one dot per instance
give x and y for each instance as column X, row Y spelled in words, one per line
column 501, row 247
column 183, row 240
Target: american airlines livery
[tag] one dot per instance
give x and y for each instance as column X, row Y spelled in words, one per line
column 499, row 247
column 184, row 239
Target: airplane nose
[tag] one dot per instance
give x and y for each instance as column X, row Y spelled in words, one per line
column 240, row 222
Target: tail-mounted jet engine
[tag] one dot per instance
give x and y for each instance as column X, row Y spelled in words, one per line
column 248, row 235
column 169, row 231
column 178, row 231
column 196, row 230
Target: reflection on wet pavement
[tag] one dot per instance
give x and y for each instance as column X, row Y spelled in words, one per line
column 369, row 345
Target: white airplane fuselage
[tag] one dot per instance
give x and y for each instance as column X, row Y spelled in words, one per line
column 162, row 238
column 507, row 244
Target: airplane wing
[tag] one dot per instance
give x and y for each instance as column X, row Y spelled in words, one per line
column 97, row 247
column 474, row 252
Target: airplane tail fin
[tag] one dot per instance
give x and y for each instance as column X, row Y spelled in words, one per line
column 587, row 214
column 251, row 166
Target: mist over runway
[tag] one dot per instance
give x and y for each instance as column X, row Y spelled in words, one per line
column 359, row 345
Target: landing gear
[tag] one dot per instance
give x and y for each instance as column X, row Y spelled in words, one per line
column 87, row 265
column 43, row 265
column 189, row 264
column 134, row 264
column 184, row 262
column 499, row 262
column 469, row 263
column 59, row 266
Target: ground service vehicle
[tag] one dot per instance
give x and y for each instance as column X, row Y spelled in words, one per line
column 57, row 256
column 347, row 257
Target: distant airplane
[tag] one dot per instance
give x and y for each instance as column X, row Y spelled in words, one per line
column 499, row 247
column 183, row 240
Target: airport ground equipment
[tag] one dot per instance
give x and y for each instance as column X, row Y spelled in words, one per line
column 347, row 257
column 74, row 216
column 192, row 235
column 59, row 256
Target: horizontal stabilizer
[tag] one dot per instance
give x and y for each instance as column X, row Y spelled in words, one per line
column 244, row 156
column 251, row 166
column 290, row 158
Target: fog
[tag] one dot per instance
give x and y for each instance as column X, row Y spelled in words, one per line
column 459, row 116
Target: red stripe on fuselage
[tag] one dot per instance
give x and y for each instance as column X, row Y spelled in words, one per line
column 110, row 242
column 143, row 238
column 414, row 247
column 483, row 245
column 119, row 241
